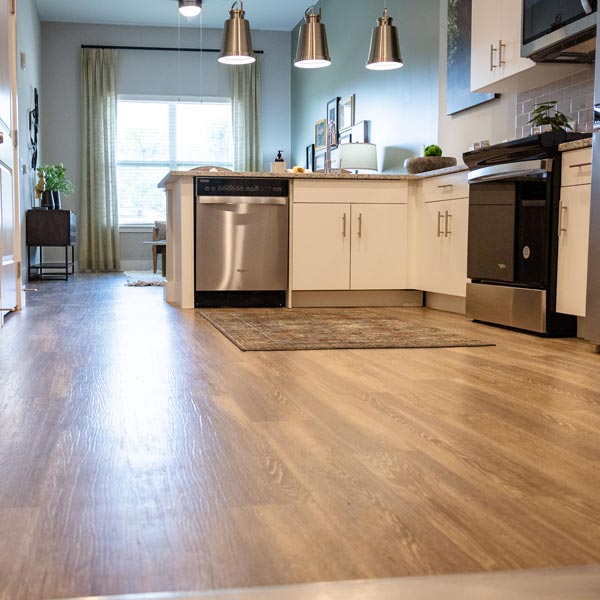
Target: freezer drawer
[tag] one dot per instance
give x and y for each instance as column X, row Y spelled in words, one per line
column 241, row 244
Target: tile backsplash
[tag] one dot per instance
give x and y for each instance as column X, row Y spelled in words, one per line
column 575, row 97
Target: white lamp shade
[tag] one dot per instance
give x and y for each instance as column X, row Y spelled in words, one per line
column 358, row 156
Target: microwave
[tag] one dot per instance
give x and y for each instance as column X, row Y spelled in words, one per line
column 559, row 30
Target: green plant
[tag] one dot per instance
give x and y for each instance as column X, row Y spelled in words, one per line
column 56, row 179
column 541, row 116
column 433, row 150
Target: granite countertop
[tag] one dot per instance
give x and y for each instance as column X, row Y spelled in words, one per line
column 174, row 175
column 576, row 145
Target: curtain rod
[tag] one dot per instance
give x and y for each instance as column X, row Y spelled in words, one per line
column 161, row 48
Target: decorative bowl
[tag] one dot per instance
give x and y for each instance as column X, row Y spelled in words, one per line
column 420, row 164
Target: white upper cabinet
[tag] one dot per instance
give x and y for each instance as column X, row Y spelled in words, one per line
column 496, row 62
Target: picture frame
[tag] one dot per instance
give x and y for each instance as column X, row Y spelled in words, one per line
column 346, row 112
column 310, row 157
column 319, row 161
column 360, row 132
column 459, row 96
column 320, row 134
column 332, row 115
column 345, row 137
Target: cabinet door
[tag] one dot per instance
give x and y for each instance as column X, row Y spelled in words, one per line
column 379, row 247
column 430, row 232
column 573, row 249
column 453, row 276
column 321, row 247
column 484, row 44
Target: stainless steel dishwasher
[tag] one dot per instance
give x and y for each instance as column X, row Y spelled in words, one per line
column 241, row 241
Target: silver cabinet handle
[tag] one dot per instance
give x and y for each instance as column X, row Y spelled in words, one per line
column 492, row 50
column 1, row 138
column 500, row 60
column 344, row 225
column 448, row 185
column 563, row 220
column 360, row 225
column 439, row 218
column 580, row 165
column 447, row 230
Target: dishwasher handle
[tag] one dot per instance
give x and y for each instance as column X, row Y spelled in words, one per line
column 278, row 200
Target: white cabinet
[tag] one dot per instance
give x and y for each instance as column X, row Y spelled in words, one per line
column 574, row 226
column 496, row 62
column 441, row 240
column 349, row 245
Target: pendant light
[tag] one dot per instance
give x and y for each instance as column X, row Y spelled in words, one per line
column 190, row 8
column 236, row 44
column 312, row 51
column 385, row 48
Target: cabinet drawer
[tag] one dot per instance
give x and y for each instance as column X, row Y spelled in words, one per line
column 446, row 187
column 343, row 191
column 577, row 167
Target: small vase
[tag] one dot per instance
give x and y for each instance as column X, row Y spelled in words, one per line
column 46, row 199
column 56, row 199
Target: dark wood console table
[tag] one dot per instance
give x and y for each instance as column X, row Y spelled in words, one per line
column 45, row 228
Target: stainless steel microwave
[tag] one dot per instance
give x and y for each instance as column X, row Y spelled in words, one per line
column 559, row 30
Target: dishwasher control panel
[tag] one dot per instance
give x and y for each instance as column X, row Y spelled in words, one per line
column 242, row 186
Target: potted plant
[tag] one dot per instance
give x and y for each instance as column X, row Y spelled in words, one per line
column 541, row 117
column 56, row 183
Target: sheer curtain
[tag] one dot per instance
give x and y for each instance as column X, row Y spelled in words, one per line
column 99, row 225
column 245, row 87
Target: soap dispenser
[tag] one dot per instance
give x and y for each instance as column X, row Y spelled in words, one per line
column 278, row 165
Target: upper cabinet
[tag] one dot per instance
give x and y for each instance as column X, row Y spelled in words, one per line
column 496, row 62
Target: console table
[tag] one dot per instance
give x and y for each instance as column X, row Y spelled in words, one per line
column 54, row 228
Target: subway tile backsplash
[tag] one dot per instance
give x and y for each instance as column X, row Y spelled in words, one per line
column 575, row 97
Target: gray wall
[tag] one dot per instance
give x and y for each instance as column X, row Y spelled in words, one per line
column 402, row 105
column 153, row 73
column 29, row 41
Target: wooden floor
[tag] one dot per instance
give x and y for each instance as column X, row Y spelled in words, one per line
column 141, row 451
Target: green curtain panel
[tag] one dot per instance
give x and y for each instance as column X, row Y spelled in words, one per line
column 245, row 86
column 99, row 228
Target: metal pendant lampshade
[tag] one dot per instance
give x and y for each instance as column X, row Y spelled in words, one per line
column 312, row 51
column 236, row 44
column 190, row 8
column 385, row 48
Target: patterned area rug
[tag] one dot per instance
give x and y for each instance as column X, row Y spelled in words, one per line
column 143, row 279
column 327, row 328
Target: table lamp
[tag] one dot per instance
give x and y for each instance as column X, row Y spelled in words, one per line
column 358, row 156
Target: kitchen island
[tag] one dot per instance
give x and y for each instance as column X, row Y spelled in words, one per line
column 373, row 259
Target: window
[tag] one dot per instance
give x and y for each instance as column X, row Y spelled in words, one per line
column 154, row 137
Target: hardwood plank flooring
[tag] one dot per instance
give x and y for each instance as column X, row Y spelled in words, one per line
column 141, row 451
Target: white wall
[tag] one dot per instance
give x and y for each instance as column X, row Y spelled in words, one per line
column 29, row 41
column 154, row 73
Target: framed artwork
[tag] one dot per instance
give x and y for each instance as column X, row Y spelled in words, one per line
column 310, row 157
column 360, row 132
column 458, row 90
column 332, row 114
column 346, row 113
column 320, row 133
column 319, row 161
column 346, row 137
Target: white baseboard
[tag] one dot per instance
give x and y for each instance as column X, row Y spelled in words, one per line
column 137, row 265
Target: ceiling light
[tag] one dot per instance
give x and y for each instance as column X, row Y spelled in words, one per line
column 385, row 48
column 190, row 8
column 236, row 44
column 312, row 51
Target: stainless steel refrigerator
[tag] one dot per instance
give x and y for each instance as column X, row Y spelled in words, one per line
column 590, row 327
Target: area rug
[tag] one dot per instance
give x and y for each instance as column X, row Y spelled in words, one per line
column 325, row 328
column 143, row 279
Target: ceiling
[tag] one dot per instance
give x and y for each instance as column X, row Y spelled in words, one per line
column 280, row 15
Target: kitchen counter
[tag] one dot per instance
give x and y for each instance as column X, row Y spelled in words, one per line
column 576, row 145
column 175, row 175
